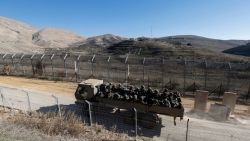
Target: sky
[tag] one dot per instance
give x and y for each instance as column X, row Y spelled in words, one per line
column 221, row 19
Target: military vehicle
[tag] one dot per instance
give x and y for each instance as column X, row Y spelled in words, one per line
column 148, row 103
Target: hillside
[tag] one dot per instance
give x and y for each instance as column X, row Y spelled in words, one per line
column 156, row 48
column 96, row 44
column 18, row 37
column 105, row 40
column 55, row 38
column 240, row 50
column 202, row 42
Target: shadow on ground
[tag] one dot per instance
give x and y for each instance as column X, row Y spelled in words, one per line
column 112, row 121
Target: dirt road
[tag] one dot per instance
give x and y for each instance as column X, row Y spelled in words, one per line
column 51, row 87
column 40, row 92
column 68, row 89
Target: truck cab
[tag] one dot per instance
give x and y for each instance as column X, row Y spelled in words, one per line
column 87, row 89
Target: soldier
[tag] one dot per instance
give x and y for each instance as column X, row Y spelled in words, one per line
column 150, row 96
column 162, row 97
column 130, row 93
column 170, row 98
column 116, row 96
column 143, row 99
column 136, row 94
column 166, row 103
column 102, row 88
column 108, row 88
column 142, row 91
column 156, row 94
column 113, row 88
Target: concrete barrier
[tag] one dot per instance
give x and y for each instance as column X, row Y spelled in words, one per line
column 219, row 112
column 201, row 98
column 229, row 99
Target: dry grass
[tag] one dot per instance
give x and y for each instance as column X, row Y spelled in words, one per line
column 53, row 87
column 67, row 125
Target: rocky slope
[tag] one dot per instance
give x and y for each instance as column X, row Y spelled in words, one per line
column 18, row 37
column 105, row 40
column 55, row 38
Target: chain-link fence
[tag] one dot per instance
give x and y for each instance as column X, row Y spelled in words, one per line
column 130, row 121
column 182, row 74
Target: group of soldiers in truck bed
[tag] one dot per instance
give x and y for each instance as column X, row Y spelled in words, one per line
column 142, row 95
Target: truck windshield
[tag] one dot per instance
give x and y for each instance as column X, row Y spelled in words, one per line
column 80, row 90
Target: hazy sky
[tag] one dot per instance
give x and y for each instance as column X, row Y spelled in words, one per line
column 224, row 19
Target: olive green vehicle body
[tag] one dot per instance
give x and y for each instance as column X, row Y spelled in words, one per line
column 87, row 90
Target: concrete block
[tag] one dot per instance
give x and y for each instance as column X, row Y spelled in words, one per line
column 229, row 99
column 201, row 98
column 219, row 112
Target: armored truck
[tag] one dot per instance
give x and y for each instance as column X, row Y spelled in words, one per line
column 147, row 102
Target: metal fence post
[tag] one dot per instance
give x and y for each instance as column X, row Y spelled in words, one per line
column 65, row 67
column 52, row 67
column 78, row 67
column 187, row 130
column 229, row 75
column 31, row 62
column 135, row 123
column 2, row 99
column 90, row 115
column 125, row 66
column 163, row 72
column 92, row 65
column 21, row 63
column 28, row 100
column 58, row 105
column 41, row 59
column 4, row 57
column 75, row 64
column 143, row 71
column 205, row 73
column 248, row 93
column 12, row 61
column 184, row 76
column 108, row 68
column 128, row 73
